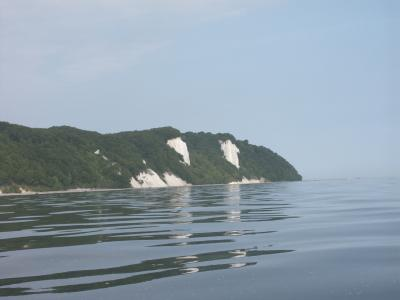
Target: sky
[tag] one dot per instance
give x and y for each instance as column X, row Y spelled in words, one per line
column 316, row 81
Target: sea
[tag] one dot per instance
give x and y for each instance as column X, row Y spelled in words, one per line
column 327, row 239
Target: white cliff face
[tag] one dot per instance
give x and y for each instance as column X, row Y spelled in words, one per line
column 230, row 152
column 23, row 191
column 180, row 146
column 150, row 179
column 147, row 179
column 173, row 180
column 249, row 181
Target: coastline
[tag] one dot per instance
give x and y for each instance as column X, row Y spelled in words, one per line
column 70, row 191
column 88, row 190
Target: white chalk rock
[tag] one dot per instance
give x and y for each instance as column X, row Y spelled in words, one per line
column 249, row 181
column 180, row 147
column 230, row 152
column 150, row 179
column 173, row 180
column 147, row 179
column 23, row 191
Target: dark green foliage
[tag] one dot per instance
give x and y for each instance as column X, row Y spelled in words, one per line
column 64, row 157
column 258, row 161
column 208, row 164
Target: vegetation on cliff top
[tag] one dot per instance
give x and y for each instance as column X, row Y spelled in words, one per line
column 64, row 157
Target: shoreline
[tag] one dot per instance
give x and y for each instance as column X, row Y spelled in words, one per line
column 88, row 190
column 70, row 191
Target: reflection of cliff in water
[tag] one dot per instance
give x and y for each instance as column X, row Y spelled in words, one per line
column 143, row 235
column 232, row 202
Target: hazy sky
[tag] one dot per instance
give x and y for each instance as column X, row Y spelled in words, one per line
column 316, row 81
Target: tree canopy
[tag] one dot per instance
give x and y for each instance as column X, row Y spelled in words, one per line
column 66, row 157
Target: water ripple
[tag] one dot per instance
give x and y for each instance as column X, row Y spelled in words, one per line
column 69, row 243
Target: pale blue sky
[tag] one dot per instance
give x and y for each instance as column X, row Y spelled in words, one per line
column 316, row 81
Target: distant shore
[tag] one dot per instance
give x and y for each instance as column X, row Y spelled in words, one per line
column 88, row 190
column 83, row 190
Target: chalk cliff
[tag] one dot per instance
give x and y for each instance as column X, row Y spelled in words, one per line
column 35, row 159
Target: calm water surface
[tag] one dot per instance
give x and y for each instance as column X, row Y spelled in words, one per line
column 307, row 240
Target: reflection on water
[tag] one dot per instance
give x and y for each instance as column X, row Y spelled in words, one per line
column 205, row 222
column 61, row 244
column 136, row 273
